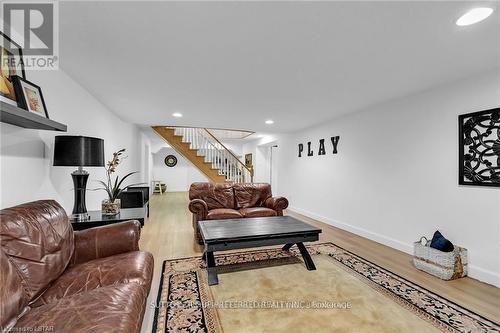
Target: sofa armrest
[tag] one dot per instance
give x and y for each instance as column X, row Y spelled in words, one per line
column 199, row 208
column 105, row 241
column 277, row 203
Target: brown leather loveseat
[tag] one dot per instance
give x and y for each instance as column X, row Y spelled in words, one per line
column 214, row 201
column 57, row 280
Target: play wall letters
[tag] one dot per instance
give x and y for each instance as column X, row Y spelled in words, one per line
column 321, row 150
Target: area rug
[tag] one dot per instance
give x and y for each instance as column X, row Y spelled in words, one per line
column 270, row 290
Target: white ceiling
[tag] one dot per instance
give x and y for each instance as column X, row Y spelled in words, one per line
column 236, row 64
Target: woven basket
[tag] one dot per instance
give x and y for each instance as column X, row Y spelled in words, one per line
column 444, row 265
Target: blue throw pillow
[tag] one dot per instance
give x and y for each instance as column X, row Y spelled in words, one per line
column 440, row 243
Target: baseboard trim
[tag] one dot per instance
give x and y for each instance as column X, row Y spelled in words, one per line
column 484, row 275
column 394, row 243
column 475, row 272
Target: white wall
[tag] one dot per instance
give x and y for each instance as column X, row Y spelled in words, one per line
column 26, row 155
column 179, row 177
column 235, row 146
column 261, row 159
column 395, row 177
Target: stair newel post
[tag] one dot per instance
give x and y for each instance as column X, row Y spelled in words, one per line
column 228, row 169
column 211, row 155
column 221, row 153
column 199, row 141
column 209, row 152
column 217, row 160
column 224, row 164
column 202, row 147
column 221, row 161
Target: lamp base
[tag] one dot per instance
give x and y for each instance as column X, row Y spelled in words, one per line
column 80, row 217
column 80, row 178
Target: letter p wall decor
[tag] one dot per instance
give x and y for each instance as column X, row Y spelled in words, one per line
column 479, row 148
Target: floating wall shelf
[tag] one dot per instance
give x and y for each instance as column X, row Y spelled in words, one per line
column 14, row 115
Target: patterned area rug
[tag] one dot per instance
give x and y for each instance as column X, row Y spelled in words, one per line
column 271, row 290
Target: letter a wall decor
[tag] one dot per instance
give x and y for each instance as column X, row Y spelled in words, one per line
column 479, row 148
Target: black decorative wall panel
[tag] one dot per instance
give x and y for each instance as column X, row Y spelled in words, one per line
column 479, row 148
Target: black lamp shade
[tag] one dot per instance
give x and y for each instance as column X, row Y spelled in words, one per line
column 82, row 151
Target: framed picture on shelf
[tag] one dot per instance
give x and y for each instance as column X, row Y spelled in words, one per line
column 11, row 64
column 29, row 97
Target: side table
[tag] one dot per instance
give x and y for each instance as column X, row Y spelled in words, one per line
column 97, row 219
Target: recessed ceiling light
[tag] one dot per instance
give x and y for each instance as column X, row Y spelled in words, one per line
column 269, row 122
column 474, row 16
column 177, row 114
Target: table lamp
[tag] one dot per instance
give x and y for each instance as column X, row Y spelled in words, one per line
column 79, row 151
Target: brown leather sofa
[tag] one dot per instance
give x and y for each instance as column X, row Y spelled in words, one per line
column 214, row 201
column 56, row 280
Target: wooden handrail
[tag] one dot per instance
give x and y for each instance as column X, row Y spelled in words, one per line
column 212, row 128
column 230, row 152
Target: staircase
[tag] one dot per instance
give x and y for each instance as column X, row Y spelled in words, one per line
column 206, row 153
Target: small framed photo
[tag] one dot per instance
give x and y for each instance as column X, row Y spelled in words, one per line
column 11, row 64
column 29, row 97
column 248, row 160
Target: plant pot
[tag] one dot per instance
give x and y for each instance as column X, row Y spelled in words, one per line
column 110, row 208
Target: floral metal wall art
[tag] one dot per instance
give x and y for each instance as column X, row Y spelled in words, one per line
column 479, row 148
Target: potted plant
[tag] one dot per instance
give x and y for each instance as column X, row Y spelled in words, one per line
column 111, row 205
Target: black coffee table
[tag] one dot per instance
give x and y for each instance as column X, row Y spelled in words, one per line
column 230, row 234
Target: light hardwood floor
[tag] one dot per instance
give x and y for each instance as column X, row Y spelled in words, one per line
column 168, row 234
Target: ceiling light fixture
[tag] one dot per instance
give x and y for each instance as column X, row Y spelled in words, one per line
column 474, row 15
column 177, row 114
column 269, row 122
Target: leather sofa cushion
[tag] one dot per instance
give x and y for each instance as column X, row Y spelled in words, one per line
column 216, row 195
column 131, row 267
column 223, row 213
column 13, row 300
column 251, row 194
column 257, row 212
column 38, row 239
column 116, row 308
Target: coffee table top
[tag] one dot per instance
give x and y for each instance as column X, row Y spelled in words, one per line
column 255, row 227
